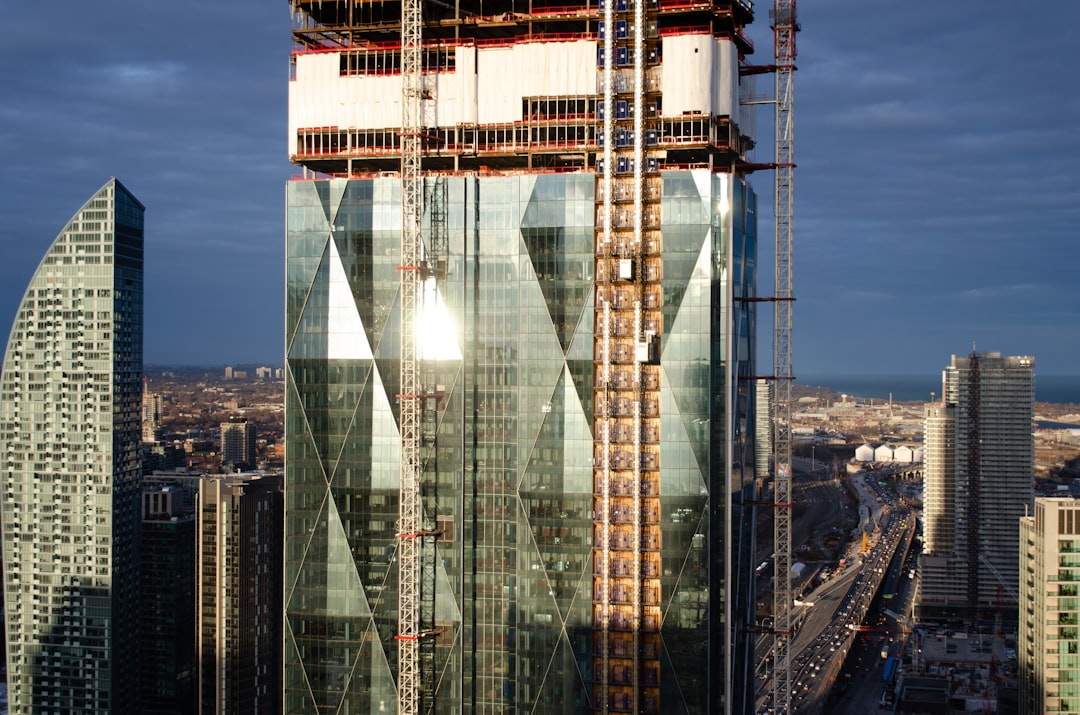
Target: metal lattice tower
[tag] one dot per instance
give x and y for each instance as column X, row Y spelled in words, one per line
column 785, row 27
column 431, row 402
column 410, row 508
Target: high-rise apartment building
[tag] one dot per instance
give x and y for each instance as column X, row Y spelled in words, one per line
column 584, row 339
column 239, row 590
column 979, row 472
column 167, row 625
column 151, row 414
column 763, row 428
column 1049, row 646
column 238, row 443
column 70, row 433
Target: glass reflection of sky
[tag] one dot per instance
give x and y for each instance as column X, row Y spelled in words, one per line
column 436, row 333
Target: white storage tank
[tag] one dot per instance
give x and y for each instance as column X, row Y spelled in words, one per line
column 903, row 454
column 884, row 453
column 864, row 453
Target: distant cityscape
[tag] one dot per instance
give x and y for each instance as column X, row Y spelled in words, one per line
column 519, row 453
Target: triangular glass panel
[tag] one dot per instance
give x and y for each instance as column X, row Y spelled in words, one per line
column 673, row 699
column 681, row 474
column 329, row 398
column 332, row 192
column 579, row 359
column 344, row 594
column 685, row 226
column 561, row 688
column 345, row 330
column 389, row 366
column 385, row 438
column 687, row 357
column 562, row 261
column 306, row 255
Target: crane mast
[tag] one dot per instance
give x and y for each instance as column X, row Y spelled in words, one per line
column 410, row 505
column 784, row 28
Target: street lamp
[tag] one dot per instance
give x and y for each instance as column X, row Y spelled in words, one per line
column 813, row 463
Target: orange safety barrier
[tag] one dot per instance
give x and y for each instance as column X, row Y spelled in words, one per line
column 685, row 30
column 537, row 37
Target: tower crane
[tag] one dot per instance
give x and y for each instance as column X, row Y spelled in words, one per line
column 410, row 505
column 785, row 26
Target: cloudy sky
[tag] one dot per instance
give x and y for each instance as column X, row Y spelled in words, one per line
column 937, row 189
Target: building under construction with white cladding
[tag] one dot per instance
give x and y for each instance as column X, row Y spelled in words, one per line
column 585, row 337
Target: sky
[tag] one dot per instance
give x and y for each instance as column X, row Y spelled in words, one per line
column 937, row 194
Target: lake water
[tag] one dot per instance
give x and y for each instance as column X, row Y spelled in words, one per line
column 904, row 388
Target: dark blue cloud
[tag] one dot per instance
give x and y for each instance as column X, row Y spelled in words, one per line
column 937, row 194
column 937, row 189
column 184, row 103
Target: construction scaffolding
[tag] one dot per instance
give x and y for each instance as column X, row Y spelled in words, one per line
column 626, row 581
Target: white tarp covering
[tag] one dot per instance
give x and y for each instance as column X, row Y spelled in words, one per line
column 532, row 69
column 487, row 86
column 700, row 74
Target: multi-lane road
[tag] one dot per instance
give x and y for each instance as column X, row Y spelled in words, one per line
column 833, row 614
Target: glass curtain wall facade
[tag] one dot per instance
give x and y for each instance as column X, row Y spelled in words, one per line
column 508, row 358
column 70, row 428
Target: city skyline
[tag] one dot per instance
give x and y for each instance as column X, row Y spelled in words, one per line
column 909, row 168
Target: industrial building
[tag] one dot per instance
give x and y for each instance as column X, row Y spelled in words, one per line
column 979, row 476
column 520, row 347
column 70, row 433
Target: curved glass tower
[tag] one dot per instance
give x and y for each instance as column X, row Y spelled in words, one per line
column 70, row 408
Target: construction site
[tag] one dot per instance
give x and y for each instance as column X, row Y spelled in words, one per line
column 521, row 355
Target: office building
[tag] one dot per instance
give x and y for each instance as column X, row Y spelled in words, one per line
column 239, row 586
column 1049, row 646
column 584, row 337
column 167, row 626
column 238, row 443
column 979, row 472
column 70, row 432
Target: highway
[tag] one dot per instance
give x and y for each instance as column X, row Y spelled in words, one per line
column 836, row 610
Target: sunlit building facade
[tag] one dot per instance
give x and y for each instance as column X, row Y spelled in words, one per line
column 511, row 351
column 586, row 340
column 979, row 482
column 1048, row 649
column 238, row 659
column 70, row 431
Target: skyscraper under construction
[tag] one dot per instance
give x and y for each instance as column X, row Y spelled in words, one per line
column 583, row 325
